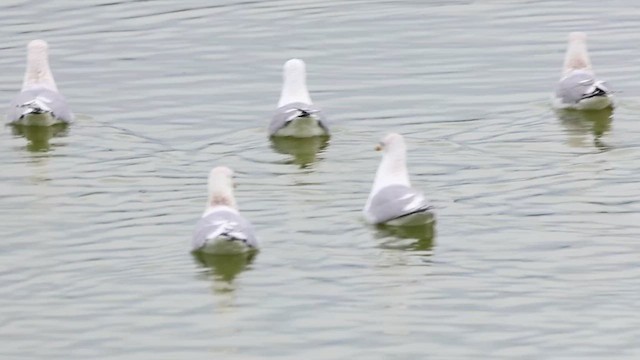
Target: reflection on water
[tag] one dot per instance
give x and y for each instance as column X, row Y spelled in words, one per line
column 39, row 136
column 224, row 268
column 406, row 237
column 581, row 124
column 304, row 150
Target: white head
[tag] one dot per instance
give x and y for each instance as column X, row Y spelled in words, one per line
column 393, row 167
column 576, row 57
column 392, row 143
column 220, row 187
column 294, row 86
column 38, row 72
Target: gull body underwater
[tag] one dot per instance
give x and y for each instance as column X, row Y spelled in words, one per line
column 392, row 200
column 39, row 102
column 296, row 115
column 578, row 88
column 222, row 229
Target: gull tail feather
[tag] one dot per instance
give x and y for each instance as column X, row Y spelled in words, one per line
column 35, row 106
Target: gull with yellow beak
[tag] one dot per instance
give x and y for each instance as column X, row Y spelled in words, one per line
column 392, row 200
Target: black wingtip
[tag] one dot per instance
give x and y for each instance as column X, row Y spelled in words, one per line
column 597, row 92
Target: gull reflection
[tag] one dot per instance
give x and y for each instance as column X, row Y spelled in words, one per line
column 224, row 268
column 39, row 136
column 415, row 238
column 304, row 150
column 581, row 124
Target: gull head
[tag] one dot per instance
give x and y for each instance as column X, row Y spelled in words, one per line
column 294, row 87
column 391, row 143
column 221, row 186
column 294, row 68
column 37, row 46
column 577, row 36
column 38, row 71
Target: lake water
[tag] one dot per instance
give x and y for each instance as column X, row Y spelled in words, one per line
column 534, row 254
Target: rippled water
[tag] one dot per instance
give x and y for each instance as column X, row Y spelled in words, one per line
column 534, row 255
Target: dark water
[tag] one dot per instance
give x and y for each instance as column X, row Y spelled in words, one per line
column 534, row 255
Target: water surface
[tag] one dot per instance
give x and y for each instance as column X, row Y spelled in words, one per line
column 534, row 254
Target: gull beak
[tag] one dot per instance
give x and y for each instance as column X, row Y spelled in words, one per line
column 378, row 147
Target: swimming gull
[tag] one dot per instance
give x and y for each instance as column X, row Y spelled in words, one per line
column 39, row 102
column 392, row 200
column 296, row 115
column 579, row 88
column 221, row 229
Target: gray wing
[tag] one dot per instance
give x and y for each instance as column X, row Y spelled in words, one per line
column 288, row 112
column 223, row 222
column 51, row 99
column 396, row 201
column 574, row 86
